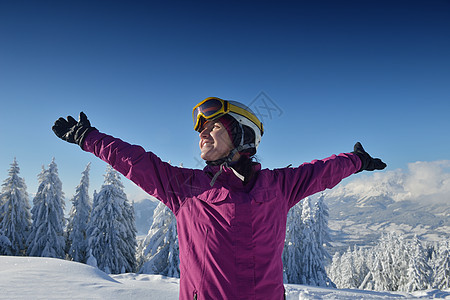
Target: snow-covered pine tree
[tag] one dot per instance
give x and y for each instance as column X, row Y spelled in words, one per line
column 333, row 269
column 346, row 277
column 392, row 265
column 393, row 257
column 312, row 263
column 389, row 266
column 111, row 236
column 419, row 272
column 363, row 259
column 292, row 252
column 322, row 230
column 77, row 242
column 381, row 279
column 304, row 253
column 383, row 265
column 47, row 232
column 159, row 252
column 5, row 245
column 322, row 239
column 442, row 266
column 91, row 260
column 15, row 217
column 130, row 245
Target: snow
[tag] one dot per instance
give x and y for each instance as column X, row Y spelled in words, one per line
column 52, row 278
column 49, row 278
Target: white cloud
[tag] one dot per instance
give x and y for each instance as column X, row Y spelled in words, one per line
column 428, row 179
column 422, row 181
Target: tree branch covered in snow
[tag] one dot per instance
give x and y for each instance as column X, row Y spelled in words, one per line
column 393, row 265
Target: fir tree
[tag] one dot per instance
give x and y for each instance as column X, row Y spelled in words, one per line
column 363, row 258
column 322, row 230
column 292, row 252
column 392, row 265
column 78, row 220
column 348, row 270
column 419, row 272
column 129, row 234
column 309, row 246
column 5, row 244
column 159, row 252
column 393, row 257
column 47, row 233
column 304, row 253
column 442, row 267
column 313, row 252
column 381, row 280
column 322, row 239
column 334, row 269
column 15, row 217
column 112, row 234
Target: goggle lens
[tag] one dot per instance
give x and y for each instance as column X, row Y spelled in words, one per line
column 208, row 109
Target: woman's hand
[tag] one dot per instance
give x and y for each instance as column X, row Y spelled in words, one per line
column 367, row 162
column 72, row 131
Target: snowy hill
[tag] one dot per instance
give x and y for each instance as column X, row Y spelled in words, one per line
column 405, row 202
column 49, row 278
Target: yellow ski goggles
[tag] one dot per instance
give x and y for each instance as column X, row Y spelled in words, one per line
column 212, row 108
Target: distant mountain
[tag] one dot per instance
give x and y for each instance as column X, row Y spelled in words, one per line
column 144, row 215
column 363, row 209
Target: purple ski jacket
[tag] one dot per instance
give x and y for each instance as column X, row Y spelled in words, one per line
column 231, row 236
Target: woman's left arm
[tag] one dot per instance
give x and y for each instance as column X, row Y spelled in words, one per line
column 318, row 175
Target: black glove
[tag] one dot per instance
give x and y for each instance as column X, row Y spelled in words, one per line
column 72, row 131
column 367, row 162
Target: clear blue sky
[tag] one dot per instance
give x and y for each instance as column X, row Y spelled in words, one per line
column 334, row 72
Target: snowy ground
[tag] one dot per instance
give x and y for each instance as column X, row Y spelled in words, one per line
column 48, row 278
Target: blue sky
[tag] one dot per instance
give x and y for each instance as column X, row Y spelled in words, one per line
column 330, row 73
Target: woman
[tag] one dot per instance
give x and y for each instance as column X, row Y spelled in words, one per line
column 231, row 216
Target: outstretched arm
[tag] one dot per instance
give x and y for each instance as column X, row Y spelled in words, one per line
column 145, row 169
column 318, row 175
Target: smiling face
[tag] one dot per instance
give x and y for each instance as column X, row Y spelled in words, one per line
column 214, row 142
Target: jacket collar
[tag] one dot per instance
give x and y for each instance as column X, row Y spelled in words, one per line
column 228, row 178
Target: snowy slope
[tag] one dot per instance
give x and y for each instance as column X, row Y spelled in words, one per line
column 49, row 278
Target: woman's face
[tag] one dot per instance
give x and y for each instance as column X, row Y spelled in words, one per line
column 214, row 142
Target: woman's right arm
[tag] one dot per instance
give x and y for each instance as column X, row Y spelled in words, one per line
column 159, row 179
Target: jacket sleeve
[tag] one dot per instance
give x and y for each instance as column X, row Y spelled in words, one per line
column 167, row 183
column 316, row 176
